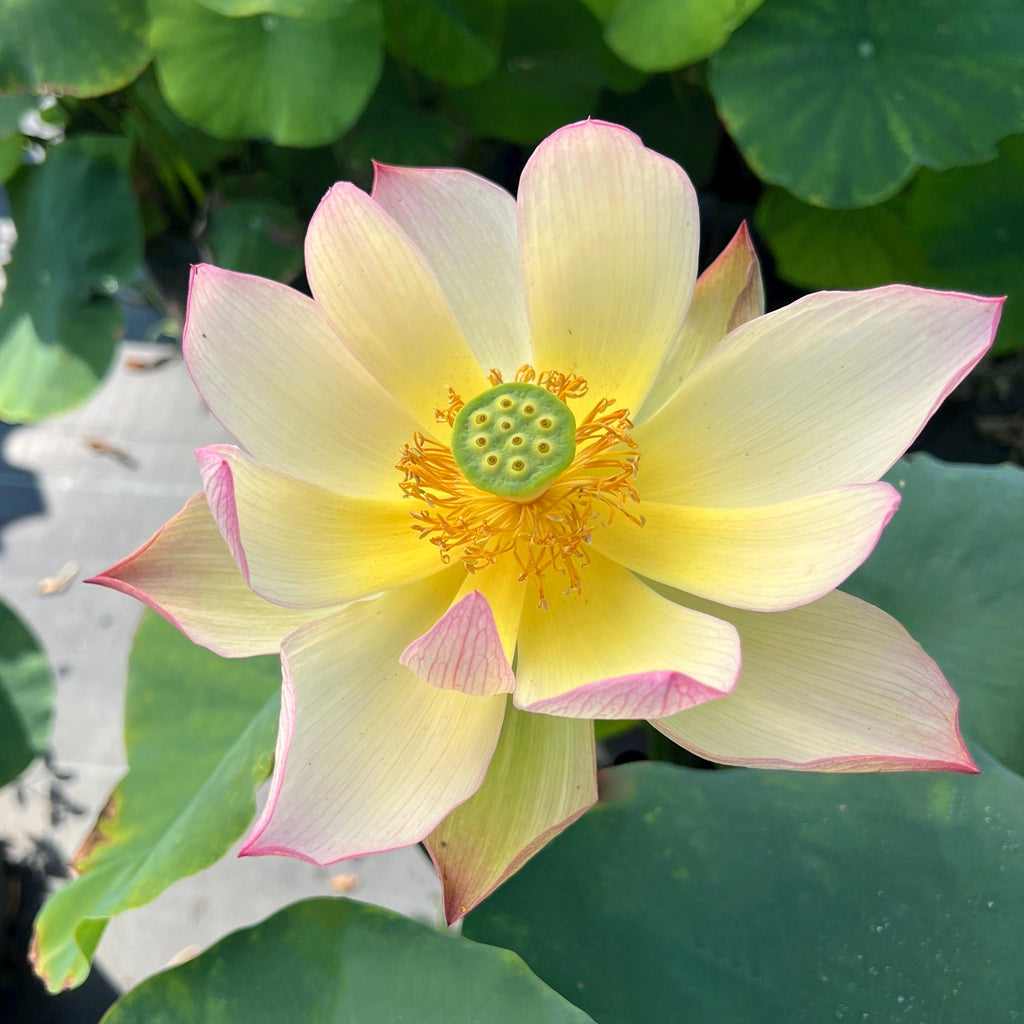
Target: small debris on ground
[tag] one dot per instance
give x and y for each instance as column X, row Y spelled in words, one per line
column 138, row 365
column 58, row 584
column 184, row 955
column 343, row 883
column 101, row 446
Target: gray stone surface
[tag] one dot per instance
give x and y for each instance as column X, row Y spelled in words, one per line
column 88, row 488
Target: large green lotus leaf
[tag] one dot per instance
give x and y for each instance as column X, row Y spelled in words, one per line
column 199, row 735
column 818, row 248
column 311, row 9
column 12, row 146
column 84, row 48
column 12, row 149
column 26, row 696
column 12, row 109
column 454, row 41
column 968, row 222
column 552, row 68
column 297, row 82
column 840, row 101
column 256, row 236
column 758, row 897
column 949, row 568
column 79, row 232
column 657, row 35
column 952, row 229
column 339, row 962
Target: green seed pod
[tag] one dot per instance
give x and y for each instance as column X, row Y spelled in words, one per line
column 514, row 440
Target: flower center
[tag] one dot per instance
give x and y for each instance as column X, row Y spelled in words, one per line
column 514, row 440
column 523, row 476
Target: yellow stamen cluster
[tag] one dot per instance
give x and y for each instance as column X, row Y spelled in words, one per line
column 548, row 533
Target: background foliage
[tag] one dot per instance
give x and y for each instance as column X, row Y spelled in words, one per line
column 868, row 142
column 26, row 696
column 877, row 141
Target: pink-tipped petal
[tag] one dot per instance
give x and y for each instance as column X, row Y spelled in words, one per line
column 382, row 297
column 186, row 574
column 765, row 559
column 462, row 651
column 369, row 757
column 541, row 779
column 219, row 490
column 729, row 293
column 826, row 392
column 466, row 228
column 302, row 546
column 619, row 650
column 273, row 370
column 500, row 586
column 836, row 686
column 634, row 695
column 471, row 647
column 608, row 238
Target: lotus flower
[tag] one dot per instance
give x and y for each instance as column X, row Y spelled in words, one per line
column 511, row 470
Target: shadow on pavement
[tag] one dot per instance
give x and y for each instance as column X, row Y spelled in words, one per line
column 23, row 999
column 19, row 492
